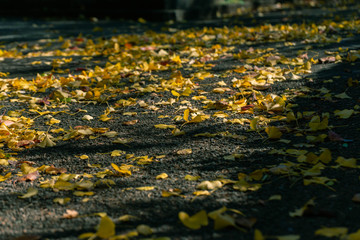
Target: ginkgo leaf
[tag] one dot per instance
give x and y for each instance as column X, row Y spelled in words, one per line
column 299, row 212
column 106, row 228
column 46, row 142
column 162, row 176
column 192, row 178
column 144, row 230
column 354, row 236
column 209, row 185
column 121, row 170
column 184, row 151
column 342, row 96
column 61, row 201
column 332, row 231
column 164, row 126
column 186, row 114
column 325, row 156
column 117, row 153
column 201, row 193
column 146, row 188
column 127, row 218
column 87, row 118
column 258, row 235
column 347, row 162
column 273, row 132
column 344, row 114
column 223, row 220
column 177, row 132
column 196, row 221
column 30, row 193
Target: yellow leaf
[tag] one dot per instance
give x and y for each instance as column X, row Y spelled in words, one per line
column 194, row 222
column 110, row 134
column 106, row 228
column 175, row 93
column 202, row 193
column 299, row 212
column 315, row 123
column 83, row 157
column 273, row 132
column 184, row 151
column 177, row 132
column 117, row 153
column 123, row 140
column 288, row 237
column 253, row 124
column 144, row 230
column 186, row 114
column 258, row 235
column 192, row 178
column 344, row 114
column 127, row 218
column 332, row 232
column 161, row 176
column 343, row 162
column 244, row 186
column 199, row 118
column 61, row 201
column 82, row 194
column 325, row 156
column 30, row 193
column 275, row 197
column 147, row 188
column 354, row 236
column 164, row 126
column 123, row 170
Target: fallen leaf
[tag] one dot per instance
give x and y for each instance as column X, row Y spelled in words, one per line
column 46, row 142
column 61, row 201
column 209, row 185
column 258, row 235
column 146, row 188
column 164, row 126
column 106, row 228
column 273, row 132
column 30, row 193
column 344, row 114
column 129, row 123
column 192, row 178
column 70, row 214
column 184, row 151
column 161, row 176
column 332, row 231
column 144, row 230
column 87, row 117
column 194, row 222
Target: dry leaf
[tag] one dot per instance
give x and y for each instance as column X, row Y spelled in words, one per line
column 184, row 151
column 70, row 214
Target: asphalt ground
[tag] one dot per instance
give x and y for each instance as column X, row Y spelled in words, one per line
column 132, row 101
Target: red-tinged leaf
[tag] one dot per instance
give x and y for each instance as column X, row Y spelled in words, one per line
column 29, row 177
column 129, row 123
column 55, row 170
